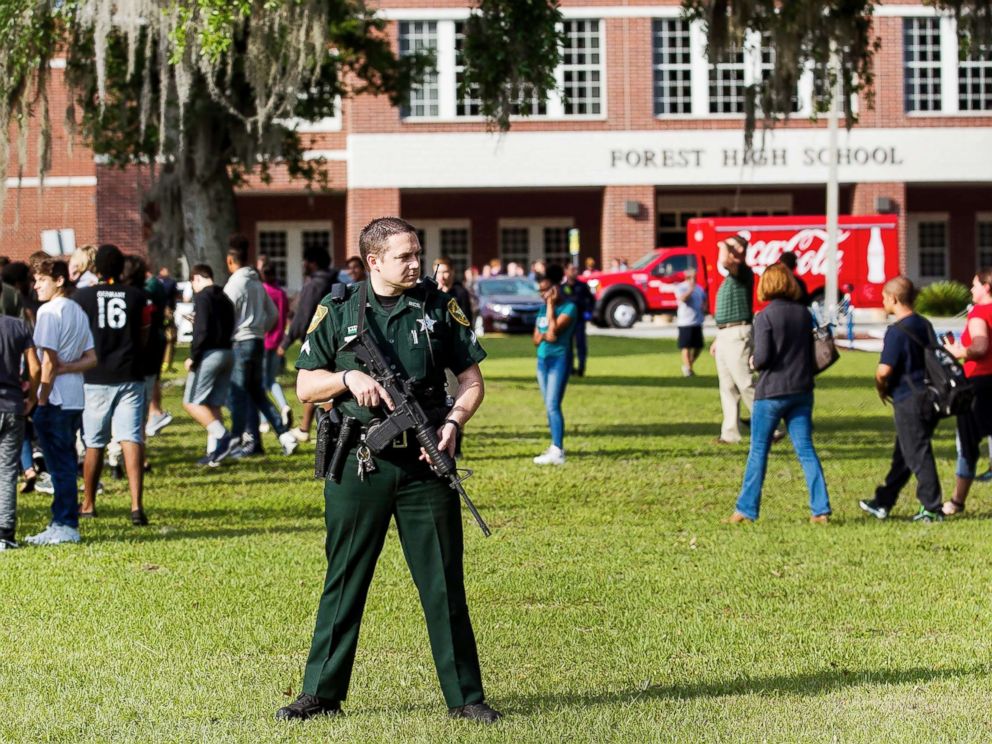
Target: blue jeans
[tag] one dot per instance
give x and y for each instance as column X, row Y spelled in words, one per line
column 552, row 376
column 56, row 431
column 797, row 410
column 247, row 391
column 11, row 437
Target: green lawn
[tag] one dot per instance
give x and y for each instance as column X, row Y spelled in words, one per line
column 610, row 603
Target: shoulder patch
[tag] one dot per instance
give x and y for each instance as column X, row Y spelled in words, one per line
column 456, row 312
column 318, row 316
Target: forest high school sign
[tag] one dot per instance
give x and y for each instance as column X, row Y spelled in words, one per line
column 678, row 157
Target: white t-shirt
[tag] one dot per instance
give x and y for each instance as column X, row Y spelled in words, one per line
column 63, row 327
column 690, row 312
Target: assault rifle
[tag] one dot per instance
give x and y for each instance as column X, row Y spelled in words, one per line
column 407, row 415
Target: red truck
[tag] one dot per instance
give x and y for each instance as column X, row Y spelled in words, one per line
column 867, row 257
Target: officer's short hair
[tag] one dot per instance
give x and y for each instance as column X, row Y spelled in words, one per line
column 372, row 239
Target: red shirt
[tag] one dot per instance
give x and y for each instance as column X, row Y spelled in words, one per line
column 983, row 366
column 274, row 337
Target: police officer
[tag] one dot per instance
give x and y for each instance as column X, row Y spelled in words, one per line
column 422, row 331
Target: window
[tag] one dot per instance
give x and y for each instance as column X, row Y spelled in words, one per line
column 672, row 67
column 921, row 51
column 450, row 238
column 284, row 242
column 975, row 80
column 727, row 82
column 673, row 213
column 527, row 240
column 932, row 242
column 983, row 233
column 675, row 265
column 424, row 99
column 272, row 244
column 582, row 68
column 580, row 74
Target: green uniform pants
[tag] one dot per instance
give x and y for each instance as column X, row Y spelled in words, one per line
column 428, row 517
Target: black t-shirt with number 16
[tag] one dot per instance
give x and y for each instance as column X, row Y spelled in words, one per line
column 117, row 314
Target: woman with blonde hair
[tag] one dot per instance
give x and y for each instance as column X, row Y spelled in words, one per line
column 81, row 264
column 783, row 357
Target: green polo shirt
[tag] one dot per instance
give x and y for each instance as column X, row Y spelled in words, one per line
column 423, row 334
column 735, row 298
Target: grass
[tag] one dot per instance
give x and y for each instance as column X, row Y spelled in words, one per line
column 610, row 603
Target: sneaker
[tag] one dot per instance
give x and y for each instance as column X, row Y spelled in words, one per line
column 306, row 707
column 157, row 423
column 225, row 446
column 205, row 460
column 55, row 534
column 552, row 456
column 984, row 477
column 43, row 483
column 872, row 507
column 287, row 417
column 299, row 435
column 288, row 442
column 927, row 516
column 6, row 544
column 264, row 428
column 117, row 472
column 686, row 371
column 478, row 712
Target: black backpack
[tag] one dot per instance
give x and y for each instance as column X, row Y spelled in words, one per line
column 948, row 390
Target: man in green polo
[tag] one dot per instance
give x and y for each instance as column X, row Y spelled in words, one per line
column 732, row 347
column 422, row 332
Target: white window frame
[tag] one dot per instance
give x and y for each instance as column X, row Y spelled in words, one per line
column 447, row 80
column 294, row 246
column 913, row 244
column 700, row 203
column 981, row 217
column 432, row 237
column 535, row 233
column 700, row 77
column 950, row 66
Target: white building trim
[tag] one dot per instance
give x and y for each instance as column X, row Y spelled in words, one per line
column 33, row 182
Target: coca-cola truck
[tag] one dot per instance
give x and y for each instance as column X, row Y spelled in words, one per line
column 867, row 257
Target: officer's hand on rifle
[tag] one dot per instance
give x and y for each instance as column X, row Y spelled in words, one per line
column 367, row 391
column 447, row 439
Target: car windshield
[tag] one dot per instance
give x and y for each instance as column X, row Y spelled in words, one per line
column 508, row 286
column 644, row 260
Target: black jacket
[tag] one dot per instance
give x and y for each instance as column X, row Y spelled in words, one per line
column 783, row 350
column 213, row 322
column 315, row 288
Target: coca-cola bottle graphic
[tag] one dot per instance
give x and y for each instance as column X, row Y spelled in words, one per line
column 876, row 257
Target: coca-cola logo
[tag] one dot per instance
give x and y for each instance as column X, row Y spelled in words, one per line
column 809, row 245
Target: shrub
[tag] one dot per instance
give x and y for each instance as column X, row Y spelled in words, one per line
column 943, row 299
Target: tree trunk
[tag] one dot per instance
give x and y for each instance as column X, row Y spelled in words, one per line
column 194, row 201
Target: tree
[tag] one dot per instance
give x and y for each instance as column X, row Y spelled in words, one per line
column 205, row 91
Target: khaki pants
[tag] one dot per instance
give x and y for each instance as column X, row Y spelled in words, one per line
column 733, row 349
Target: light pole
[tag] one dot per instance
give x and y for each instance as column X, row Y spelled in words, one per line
column 830, row 294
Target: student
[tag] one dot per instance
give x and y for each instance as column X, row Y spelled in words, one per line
column 553, row 338
column 115, row 389
column 689, row 316
column 210, row 362
column 15, row 344
column 899, row 380
column 64, row 343
column 274, row 362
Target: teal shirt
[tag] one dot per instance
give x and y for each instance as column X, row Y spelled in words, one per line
column 561, row 347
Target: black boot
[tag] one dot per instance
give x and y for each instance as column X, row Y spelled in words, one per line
column 479, row 712
column 306, row 707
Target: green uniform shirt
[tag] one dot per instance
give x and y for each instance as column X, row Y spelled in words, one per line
column 735, row 298
column 424, row 334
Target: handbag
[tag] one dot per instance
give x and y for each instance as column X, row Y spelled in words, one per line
column 825, row 351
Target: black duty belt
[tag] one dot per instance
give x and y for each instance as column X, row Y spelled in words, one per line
column 721, row 326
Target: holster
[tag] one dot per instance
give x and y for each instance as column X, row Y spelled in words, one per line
column 328, row 424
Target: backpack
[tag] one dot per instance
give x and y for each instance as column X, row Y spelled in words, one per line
column 948, row 390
